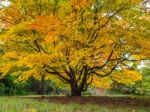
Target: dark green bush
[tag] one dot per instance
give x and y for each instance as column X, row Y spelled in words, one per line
column 2, row 89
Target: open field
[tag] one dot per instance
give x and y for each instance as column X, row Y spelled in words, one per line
column 103, row 100
column 58, row 104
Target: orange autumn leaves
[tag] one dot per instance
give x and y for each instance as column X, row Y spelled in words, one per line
column 49, row 25
column 78, row 4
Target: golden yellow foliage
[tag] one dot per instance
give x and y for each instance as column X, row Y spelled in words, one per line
column 104, row 83
column 81, row 3
column 10, row 55
column 127, row 76
column 73, row 41
column 26, row 75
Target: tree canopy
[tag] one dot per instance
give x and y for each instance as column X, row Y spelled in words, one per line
column 78, row 42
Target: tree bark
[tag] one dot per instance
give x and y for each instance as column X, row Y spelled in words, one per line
column 75, row 91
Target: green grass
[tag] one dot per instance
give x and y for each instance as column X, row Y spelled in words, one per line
column 11, row 104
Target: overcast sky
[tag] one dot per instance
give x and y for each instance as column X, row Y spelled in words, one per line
column 4, row 3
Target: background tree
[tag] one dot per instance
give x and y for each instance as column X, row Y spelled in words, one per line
column 78, row 42
column 141, row 87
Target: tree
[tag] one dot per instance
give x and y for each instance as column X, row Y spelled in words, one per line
column 141, row 87
column 78, row 42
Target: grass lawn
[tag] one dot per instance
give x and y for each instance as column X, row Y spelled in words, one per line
column 12, row 104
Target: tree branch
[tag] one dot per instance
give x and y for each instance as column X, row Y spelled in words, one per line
column 55, row 72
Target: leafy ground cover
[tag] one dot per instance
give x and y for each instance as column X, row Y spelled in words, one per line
column 13, row 104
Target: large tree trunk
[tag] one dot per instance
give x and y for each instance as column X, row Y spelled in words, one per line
column 76, row 87
column 75, row 91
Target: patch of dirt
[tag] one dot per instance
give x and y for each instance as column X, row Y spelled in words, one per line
column 113, row 101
